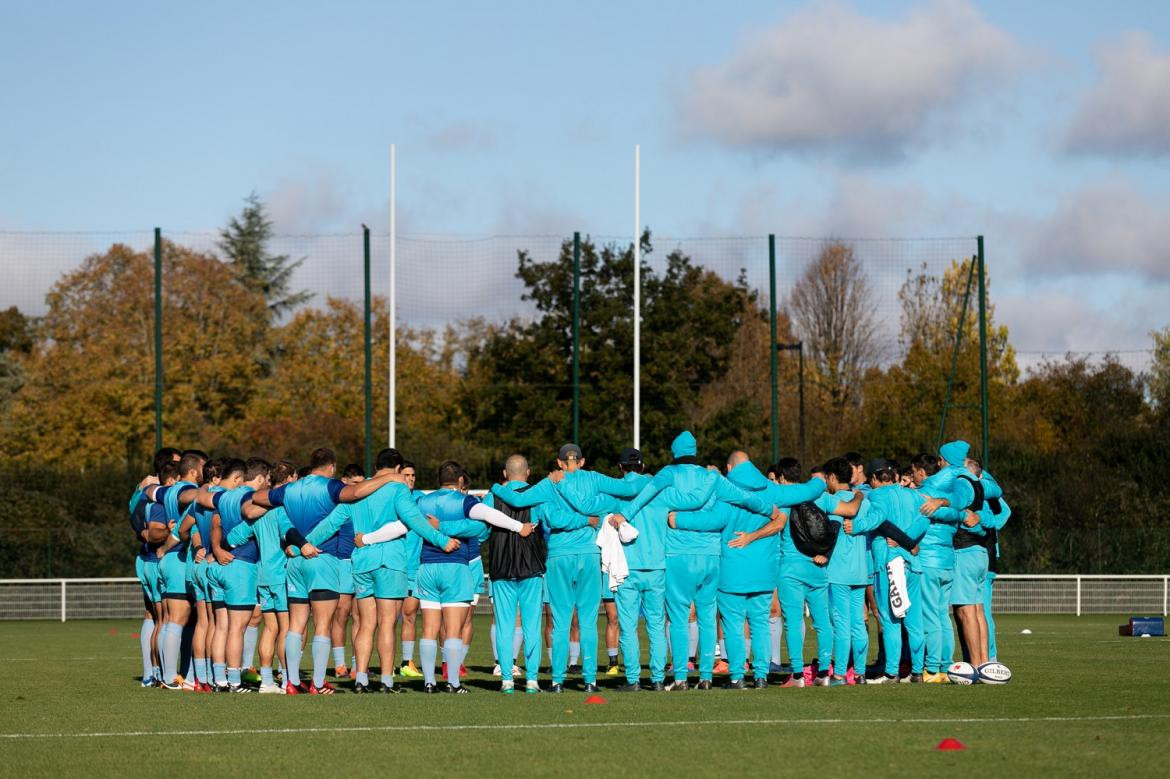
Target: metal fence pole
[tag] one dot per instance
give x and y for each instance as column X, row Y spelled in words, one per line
column 775, row 358
column 158, row 331
column 62, row 600
column 576, row 338
column 1078, row 596
column 983, row 393
column 369, row 378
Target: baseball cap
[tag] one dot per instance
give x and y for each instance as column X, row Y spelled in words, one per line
column 570, row 450
column 630, row 456
column 878, row 464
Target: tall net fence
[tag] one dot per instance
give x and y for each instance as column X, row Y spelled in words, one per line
column 121, row 598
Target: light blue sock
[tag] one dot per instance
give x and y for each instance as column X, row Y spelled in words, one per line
column 250, row 635
column 197, row 664
column 266, row 676
column 338, row 655
column 233, row 676
column 292, row 655
column 362, row 678
column 388, row 678
column 207, row 678
column 172, row 636
column 144, row 634
column 353, row 661
column 428, row 648
column 156, row 672
column 454, row 647
column 219, row 672
column 321, row 646
column 407, row 652
column 517, row 642
column 495, row 652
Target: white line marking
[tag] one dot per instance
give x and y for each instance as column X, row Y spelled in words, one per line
column 576, row 725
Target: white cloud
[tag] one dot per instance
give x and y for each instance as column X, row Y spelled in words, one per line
column 309, row 204
column 460, row 136
column 829, row 79
column 1108, row 226
column 1128, row 111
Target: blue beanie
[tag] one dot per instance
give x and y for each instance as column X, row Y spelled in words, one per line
column 684, row 445
column 954, row 452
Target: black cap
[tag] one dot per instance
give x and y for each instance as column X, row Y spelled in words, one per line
column 630, row 456
column 570, row 450
column 878, row 464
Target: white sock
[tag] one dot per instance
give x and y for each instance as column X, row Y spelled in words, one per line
column 574, row 652
column 495, row 653
column 692, row 639
column 517, row 642
column 775, row 633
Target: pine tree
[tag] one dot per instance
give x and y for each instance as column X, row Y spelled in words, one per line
column 245, row 244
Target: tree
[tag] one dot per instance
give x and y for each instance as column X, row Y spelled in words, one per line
column 88, row 394
column 905, row 400
column 1160, row 369
column 245, row 244
column 831, row 307
column 517, row 387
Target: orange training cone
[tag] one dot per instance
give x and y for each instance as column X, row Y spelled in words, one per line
column 950, row 745
column 595, row 699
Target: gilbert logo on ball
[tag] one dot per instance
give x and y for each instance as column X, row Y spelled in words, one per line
column 994, row 673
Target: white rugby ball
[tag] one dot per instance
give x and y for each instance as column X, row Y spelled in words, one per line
column 994, row 673
column 962, row 673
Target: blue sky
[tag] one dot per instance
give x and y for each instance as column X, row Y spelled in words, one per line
column 1043, row 125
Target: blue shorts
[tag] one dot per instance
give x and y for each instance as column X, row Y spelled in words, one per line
column 237, row 579
column 296, row 579
column 324, row 573
column 382, row 583
column 147, row 572
column 544, row 591
column 970, row 576
column 173, row 577
column 199, row 583
column 345, row 576
column 411, row 583
column 444, row 584
column 272, row 597
column 476, row 569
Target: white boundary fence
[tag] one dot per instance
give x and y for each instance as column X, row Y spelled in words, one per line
column 121, row 598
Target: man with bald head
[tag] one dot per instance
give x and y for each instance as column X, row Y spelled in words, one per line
column 517, row 568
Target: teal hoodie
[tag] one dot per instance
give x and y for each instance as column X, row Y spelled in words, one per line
column 938, row 545
column 751, row 568
column 690, row 487
column 899, row 506
column 850, row 562
column 595, row 494
column 698, row 534
column 569, row 531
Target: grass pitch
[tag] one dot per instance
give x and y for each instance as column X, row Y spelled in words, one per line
column 1084, row 702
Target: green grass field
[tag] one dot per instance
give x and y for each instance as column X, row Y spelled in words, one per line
column 1084, row 702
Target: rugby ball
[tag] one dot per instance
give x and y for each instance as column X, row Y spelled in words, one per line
column 962, row 673
column 994, row 673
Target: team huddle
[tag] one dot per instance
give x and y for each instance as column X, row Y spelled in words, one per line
column 720, row 563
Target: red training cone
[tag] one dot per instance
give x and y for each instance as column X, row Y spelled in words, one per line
column 595, row 699
column 950, row 745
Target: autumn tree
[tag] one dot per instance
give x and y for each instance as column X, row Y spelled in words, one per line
column 905, row 400
column 88, row 396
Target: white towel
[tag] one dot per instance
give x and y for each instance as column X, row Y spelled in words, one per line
column 613, row 556
column 899, row 597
